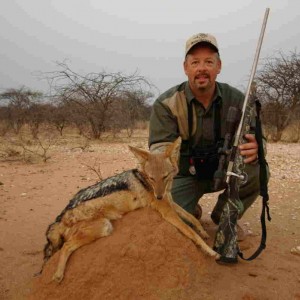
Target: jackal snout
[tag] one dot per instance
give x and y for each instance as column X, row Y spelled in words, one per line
column 159, row 167
column 161, row 177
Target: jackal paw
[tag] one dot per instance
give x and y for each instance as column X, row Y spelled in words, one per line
column 57, row 277
column 217, row 256
column 205, row 235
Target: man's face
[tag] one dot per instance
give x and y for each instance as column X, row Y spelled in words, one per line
column 202, row 65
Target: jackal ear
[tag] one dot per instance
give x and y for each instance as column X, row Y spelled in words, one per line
column 173, row 150
column 140, row 154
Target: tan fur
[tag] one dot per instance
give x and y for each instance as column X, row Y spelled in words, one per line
column 90, row 220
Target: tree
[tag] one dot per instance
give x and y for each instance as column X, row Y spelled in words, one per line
column 131, row 108
column 58, row 115
column 91, row 96
column 18, row 102
column 278, row 87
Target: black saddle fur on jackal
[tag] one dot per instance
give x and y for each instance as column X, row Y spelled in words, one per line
column 119, row 182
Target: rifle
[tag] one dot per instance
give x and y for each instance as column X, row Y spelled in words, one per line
column 226, row 237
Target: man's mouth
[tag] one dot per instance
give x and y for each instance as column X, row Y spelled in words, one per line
column 202, row 78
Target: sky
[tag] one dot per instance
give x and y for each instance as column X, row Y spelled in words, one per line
column 136, row 35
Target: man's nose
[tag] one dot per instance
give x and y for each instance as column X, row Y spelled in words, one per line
column 201, row 66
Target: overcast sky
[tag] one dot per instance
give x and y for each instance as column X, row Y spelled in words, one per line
column 131, row 35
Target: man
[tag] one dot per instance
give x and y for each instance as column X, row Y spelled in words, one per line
column 196, row 110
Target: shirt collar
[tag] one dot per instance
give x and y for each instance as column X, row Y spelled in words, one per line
column 189, row 94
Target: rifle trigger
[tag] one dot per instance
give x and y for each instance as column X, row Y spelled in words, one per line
column 242, row 177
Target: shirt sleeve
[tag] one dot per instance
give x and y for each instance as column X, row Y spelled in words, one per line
column 163, row 127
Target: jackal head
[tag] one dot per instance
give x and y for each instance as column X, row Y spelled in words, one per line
column 159, row 168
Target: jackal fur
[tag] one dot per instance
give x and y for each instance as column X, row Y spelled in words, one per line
column 88, row 215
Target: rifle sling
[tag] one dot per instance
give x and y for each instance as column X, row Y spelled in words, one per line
column 263, row 179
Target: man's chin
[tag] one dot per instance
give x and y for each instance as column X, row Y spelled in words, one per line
column 202, row 87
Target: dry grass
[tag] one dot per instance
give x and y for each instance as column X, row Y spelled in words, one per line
column 23, row 147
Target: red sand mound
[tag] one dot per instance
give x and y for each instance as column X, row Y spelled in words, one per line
column 144, row 258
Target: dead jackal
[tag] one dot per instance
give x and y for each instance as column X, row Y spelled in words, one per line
column 88, row 215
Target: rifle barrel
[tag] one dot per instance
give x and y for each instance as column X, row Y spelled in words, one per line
column 254, row 66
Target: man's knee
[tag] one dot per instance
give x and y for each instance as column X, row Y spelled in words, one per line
column 186, row 192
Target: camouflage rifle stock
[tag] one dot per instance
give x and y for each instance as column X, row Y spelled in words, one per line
column 226, row 237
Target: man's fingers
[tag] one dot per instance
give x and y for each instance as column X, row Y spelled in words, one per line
column 248, row 146
column 248, row 152
column 250, row 159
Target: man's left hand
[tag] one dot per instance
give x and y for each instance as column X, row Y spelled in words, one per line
column 250, row 149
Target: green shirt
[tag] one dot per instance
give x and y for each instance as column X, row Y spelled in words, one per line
column 169, row 117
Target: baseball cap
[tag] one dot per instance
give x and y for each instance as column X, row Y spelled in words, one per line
column 201, row 38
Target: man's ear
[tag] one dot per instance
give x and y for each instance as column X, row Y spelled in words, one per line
column 219, row 66
column 173, row 151
column 140, row 154
column 185, row 66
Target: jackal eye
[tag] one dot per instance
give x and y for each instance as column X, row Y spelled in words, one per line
column 166, row 176
column 152, row 179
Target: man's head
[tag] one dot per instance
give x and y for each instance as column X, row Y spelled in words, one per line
column 202, row 62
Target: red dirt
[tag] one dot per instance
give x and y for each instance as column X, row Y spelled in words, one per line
column 145, row 257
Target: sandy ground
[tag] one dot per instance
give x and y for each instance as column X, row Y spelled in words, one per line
column 32, row 195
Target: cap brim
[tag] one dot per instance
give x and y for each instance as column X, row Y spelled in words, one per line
column 204, row 43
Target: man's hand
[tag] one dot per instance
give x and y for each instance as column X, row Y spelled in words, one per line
column 250, row 149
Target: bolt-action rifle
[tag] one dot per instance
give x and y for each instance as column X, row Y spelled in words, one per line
column 231, row 170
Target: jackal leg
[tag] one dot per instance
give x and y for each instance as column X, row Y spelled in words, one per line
column 170, row 215
column 81, row 234
column 191, row 219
